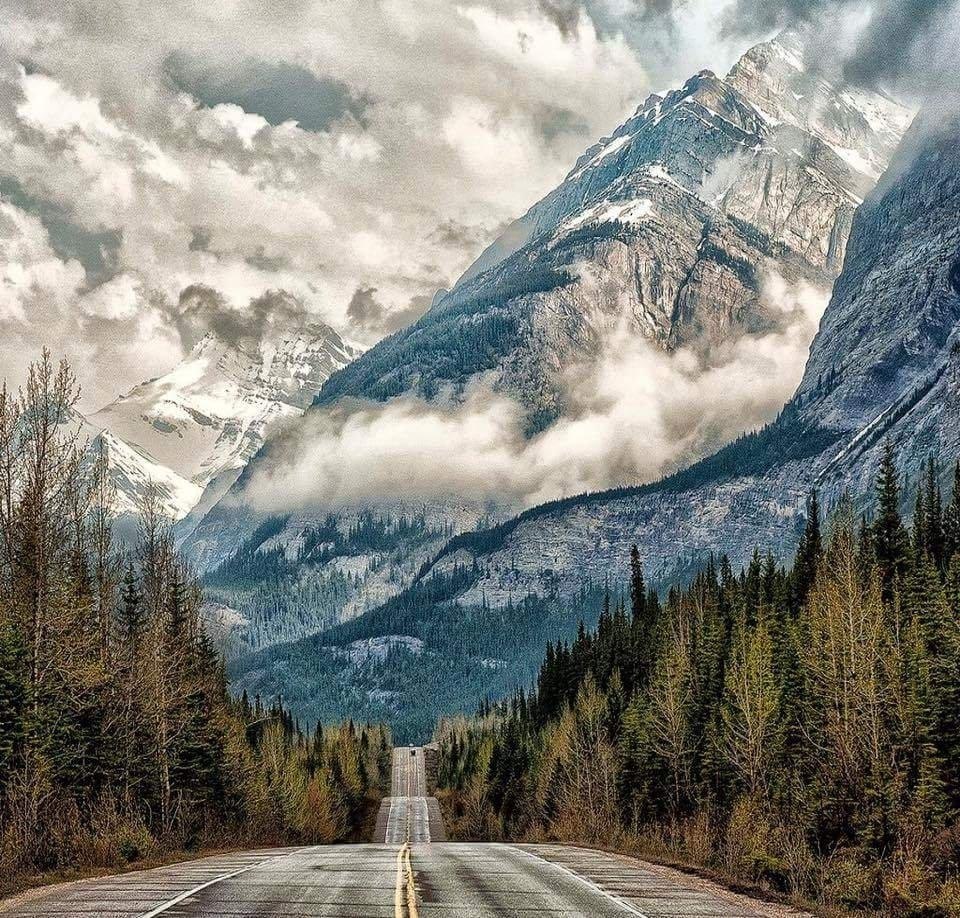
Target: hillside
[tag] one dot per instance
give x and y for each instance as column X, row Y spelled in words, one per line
column 884, row 367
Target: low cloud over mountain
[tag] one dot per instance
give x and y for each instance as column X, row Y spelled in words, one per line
column 632, row 415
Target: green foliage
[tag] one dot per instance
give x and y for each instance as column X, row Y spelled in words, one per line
column 424, row 667
column 795, row 727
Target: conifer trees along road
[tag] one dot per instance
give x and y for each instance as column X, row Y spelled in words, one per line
column 410, row 875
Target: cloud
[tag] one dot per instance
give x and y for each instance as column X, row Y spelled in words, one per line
column 634, row 414
column 564, row 14
column 278, row 92
column 201, row 309
column 313, row 147
column 97, row 250
column 369, row 316
column 893, row 43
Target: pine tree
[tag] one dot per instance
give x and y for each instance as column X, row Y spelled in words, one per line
column 951, row 521
column 809, row 552
column 933, row 504
column 890, row 540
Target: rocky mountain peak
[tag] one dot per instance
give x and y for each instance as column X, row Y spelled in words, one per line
column 203, row 420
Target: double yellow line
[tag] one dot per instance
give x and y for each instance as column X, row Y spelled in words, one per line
column 405, row 893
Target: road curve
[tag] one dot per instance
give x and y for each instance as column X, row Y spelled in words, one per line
column 412, row 873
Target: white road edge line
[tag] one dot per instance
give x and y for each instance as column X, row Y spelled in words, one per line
column 613, row 897
column 176, row 900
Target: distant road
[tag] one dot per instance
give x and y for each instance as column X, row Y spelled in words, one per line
column 409, row 871
column 408, row 814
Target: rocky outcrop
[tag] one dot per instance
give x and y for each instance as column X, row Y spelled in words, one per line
column 885, row 365
column 669, row 228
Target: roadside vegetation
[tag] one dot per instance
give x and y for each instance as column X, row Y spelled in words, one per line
column 118, row 738
column 794, row 729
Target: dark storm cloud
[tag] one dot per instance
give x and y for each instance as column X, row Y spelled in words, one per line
column 97, row 250
column 554, row 122
column 200, row 239
column 456, row 235
column 564, row 14
column 367, row 313
column 264, row 262
column 277, row 92
column 201, row 309
column 884, row 53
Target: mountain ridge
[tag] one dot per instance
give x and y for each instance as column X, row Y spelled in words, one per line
column 899, row 295
column 196, row 426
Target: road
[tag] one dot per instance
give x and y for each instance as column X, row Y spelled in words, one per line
column 408, row 814
column 408, row 871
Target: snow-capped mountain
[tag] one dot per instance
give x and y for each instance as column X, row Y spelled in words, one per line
column 884, row 367
column 677, row 227
column 192, row 430
column 669, row 229
column 132, row 469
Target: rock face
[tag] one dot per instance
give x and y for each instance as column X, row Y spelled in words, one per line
column 193, row 430
column 669, row 229
column 884, row 366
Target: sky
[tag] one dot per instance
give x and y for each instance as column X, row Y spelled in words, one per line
column 356, row 154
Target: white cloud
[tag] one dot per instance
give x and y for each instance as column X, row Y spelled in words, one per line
column 30, row 269
column 445, row 119
column 633, row 415
column 50, row 108
column 117, row 298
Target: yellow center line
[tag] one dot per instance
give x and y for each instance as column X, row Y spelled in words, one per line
column 411, row 889
column 398, row 889
column 405, row 891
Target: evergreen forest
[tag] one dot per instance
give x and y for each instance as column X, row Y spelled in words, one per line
column 793, row 728
column 119, row 741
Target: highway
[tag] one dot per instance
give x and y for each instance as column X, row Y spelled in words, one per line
column 409, row 871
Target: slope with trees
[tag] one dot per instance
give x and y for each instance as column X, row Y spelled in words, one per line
column 793, row 727
column 118, row 739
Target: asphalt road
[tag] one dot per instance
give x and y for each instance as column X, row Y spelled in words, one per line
column 408, row 814
column 410, row 874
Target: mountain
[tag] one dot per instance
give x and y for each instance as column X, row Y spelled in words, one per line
column 885, row 366
column 682, row 228
column 193, row 430
column 669, row 228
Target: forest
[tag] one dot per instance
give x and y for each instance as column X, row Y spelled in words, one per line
column 119, row 741
column 792, row 728
column 285, row 592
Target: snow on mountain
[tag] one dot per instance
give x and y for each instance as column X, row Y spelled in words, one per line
column 670, row 228
column 132, row 469
column 192, row 430
column 666, row 229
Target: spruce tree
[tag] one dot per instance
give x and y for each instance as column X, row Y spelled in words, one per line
column 951, row 521
column 890, row 541
column 809, row 552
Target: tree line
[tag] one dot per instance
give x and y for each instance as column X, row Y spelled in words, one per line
column 118, row 737
column 796, row 727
